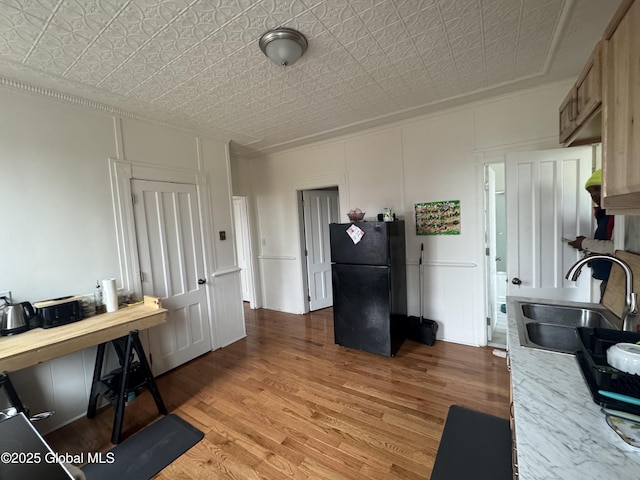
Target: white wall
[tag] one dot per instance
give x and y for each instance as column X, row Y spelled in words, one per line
column 425, row 159
column 57, row 235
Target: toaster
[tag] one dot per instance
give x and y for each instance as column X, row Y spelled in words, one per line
column 57, row 311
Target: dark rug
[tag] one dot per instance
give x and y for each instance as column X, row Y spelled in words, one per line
column 146, row 452
column 474, row 446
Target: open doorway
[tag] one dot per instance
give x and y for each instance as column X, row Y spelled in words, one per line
column 535, row 198
column 496, row 254
column 243, row 249
column 318, row 208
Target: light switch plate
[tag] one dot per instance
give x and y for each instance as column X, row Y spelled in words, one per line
column 223, row 235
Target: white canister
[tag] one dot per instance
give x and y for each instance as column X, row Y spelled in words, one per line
column 110, row 294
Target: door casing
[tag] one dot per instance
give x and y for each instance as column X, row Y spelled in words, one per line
column 320, row 208
column 121, row 173
column 490, row 249
column 316, row 183
column 242, row 228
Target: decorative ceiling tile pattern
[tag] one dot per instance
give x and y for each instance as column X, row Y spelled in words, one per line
column 196, row 63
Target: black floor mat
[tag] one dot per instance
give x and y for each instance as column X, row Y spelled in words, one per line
column 147, row 451
column 474, row 446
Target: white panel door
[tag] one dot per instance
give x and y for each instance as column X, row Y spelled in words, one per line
column 320, row 209
column 171, row 261
column 546, row 201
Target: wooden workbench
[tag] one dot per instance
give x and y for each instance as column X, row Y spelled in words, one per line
column 39, row 345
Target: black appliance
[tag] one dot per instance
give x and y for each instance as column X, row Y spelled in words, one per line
column 58, row 311
column 369, row 285
column 26, row 454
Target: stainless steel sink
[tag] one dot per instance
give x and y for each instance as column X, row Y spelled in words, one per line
column 553, row 327
column 568, row 316
column 553, row 337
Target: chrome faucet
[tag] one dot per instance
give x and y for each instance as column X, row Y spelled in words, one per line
column 630, row 311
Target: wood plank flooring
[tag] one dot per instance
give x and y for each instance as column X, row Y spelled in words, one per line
column 286, row 402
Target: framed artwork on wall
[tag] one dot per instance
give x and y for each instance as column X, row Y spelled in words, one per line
column 438, row 218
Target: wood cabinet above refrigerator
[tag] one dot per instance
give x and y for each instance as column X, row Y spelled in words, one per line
column 580, row 112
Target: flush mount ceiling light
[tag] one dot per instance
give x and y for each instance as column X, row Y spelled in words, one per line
column 284, row 46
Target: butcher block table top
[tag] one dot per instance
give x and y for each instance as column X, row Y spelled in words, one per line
column 39, row 345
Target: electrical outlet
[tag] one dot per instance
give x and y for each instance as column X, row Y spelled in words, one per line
column 6, row 293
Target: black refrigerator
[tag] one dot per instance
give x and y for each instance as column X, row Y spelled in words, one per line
column 368, row 269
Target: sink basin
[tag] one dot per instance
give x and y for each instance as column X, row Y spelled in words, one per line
column 553, row 337
column 553, row 327
column 568, row 316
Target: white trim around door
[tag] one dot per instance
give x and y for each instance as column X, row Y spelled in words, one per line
column 122, row 173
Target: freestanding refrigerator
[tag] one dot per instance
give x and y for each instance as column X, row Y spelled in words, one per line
column 368, row 269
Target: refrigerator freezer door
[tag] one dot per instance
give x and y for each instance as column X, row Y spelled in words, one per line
column 373, row 248
column 361, row 314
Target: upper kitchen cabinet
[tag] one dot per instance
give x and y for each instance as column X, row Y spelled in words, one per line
column 621, row 111
column 580, row 113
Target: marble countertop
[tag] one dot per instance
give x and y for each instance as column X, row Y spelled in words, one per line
column 560, row 431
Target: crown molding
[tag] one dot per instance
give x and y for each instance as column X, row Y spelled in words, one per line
column 36, row 90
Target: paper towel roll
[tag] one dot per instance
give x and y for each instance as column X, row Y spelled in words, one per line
column 110, row 294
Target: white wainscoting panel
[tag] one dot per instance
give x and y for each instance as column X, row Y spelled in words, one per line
column 451, row 298
column 228, row 326
column 277, row 273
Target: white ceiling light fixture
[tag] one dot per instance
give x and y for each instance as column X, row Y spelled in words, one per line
column 284, row 46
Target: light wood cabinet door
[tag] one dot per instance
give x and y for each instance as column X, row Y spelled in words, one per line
column 568, row 116
column 589, row 87
column 579, row 119
column 621, row 113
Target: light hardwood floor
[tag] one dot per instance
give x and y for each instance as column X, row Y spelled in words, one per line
column 286, row 402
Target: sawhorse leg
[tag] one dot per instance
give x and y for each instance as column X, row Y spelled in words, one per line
column 148, row 376
column 126, row 359
column 125, row 348
column 97, row 373
column 122, row 390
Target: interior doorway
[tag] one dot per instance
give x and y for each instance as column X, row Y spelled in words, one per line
column 546, row 202
column 496, row 254
column 319, row 208
column 243, row 248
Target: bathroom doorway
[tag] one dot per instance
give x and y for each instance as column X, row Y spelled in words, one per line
column 496, row 254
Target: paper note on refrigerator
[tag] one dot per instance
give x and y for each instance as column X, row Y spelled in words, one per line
column 356, row 233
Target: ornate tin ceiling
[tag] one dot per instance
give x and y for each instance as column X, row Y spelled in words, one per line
column 196, row 63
